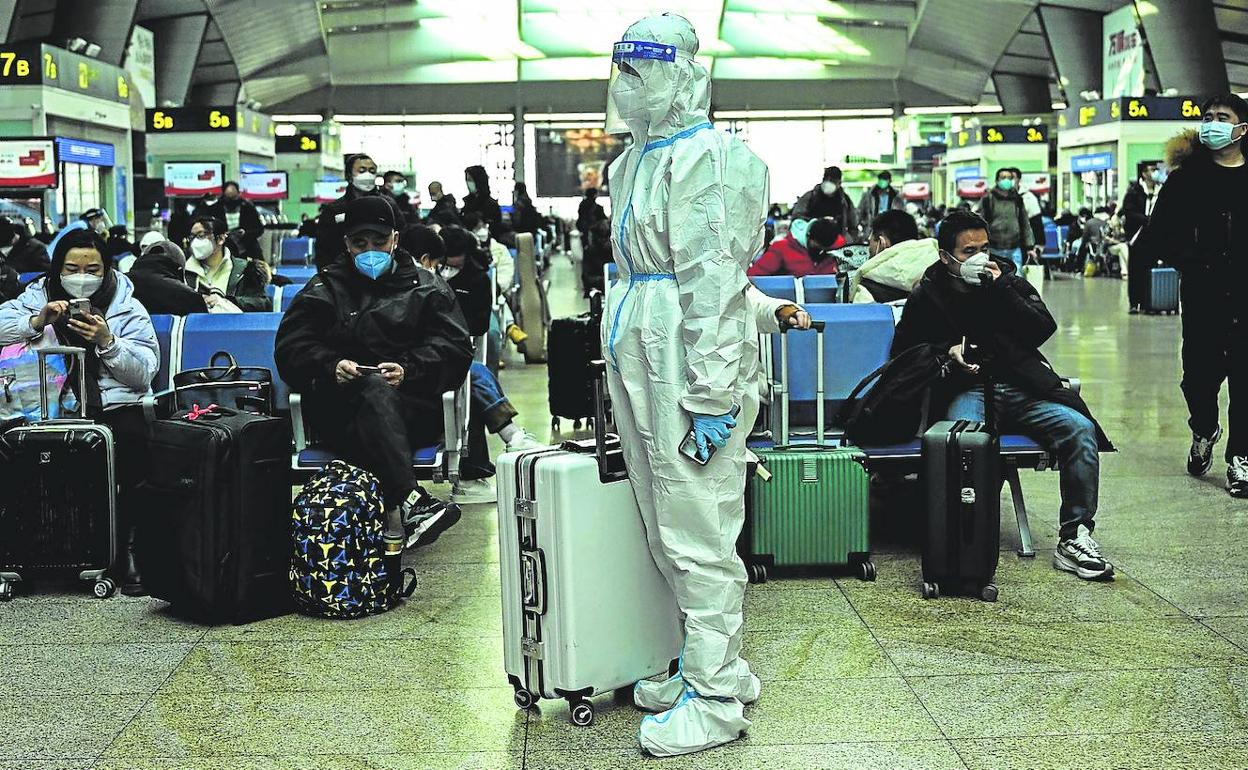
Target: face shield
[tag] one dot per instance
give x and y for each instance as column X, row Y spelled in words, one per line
column 99, row 221
column 626, row 95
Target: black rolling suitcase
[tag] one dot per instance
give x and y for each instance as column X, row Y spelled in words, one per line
column 571, row 345
column 962, row 473
column 58, row 495
column 214, row 532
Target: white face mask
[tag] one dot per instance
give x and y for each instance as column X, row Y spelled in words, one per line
column 969, row 270
column 365, row 182
column 449, row 272
column 81, row 285
column 828, row 188
column 202, row 248
column 483, row 234
column 472, row 186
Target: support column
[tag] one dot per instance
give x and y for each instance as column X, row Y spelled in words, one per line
column 518, row 148
column 1074, row 39
column 1023, row 94
column 178, row 43
column 1186, row 46
column 106, row 23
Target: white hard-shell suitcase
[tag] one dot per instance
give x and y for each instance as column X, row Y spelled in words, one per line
column 585, row 609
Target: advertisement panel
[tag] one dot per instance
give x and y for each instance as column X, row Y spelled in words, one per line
column 141, row 63
column 264, row 186
column 28, row 164
column 572, row 160
column 191, row 179
column 329, row 191
column 1122, row 61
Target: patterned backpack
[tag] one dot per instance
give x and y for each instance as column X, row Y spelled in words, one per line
column 338, row 568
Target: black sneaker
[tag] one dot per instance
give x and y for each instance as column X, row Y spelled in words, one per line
column 425, row 517
column 1237, row 477
column 1082, row 556
column 1200, row 458
column 1133, row 310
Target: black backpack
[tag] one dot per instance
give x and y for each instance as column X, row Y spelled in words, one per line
column 892, row 411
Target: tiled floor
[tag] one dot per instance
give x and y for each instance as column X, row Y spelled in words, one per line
column 1150, row 671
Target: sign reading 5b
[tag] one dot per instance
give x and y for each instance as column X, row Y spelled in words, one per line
column 184, row 119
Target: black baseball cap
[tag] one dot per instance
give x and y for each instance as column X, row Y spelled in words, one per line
column 369, row 213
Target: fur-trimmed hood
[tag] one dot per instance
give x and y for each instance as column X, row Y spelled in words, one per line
column 1183, row 146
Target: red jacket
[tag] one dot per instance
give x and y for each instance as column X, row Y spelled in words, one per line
column 788, row 257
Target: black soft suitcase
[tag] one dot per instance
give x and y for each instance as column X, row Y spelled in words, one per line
column 571, row 345
column 58, row 496
column 962, row 473
column 214, row 532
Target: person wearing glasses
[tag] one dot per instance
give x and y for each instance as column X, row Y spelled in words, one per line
column 1198, row 226
column 225, row 279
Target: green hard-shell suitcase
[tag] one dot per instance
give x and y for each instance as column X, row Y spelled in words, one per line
column 807, row 506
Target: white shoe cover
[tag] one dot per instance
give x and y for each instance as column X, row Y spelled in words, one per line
column 693, row 724
column 659, row 696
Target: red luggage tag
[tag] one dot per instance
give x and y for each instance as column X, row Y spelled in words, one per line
column 197, row 413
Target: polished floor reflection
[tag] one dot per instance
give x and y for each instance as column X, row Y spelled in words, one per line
column 1150, row 671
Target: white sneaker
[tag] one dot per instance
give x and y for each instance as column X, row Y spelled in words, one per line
column 1237, row 477
column 524, row 441
column 1082, row 556
column 475, row 491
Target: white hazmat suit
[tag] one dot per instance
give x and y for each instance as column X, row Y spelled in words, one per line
column 681, row 338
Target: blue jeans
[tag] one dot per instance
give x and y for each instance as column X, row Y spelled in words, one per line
column 1016, row 255
column 1058, row 428
column 487, row 408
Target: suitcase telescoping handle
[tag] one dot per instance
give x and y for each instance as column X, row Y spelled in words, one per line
column 786, row 389
column 78, row 367
column 598, row 370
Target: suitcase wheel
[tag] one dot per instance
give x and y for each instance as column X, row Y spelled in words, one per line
column 988, row 593
column 525, row 699
column 866, row 571
column 6, row 591
column 757, row 573
column 582, row 713
column 931, row 591
column 104, row 588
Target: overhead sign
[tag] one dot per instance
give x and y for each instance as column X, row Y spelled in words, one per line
column 37, row 64
column 1130, row 109
column 1097, row 161
column 1122, row 60
column 264, row 186
column 28, row 164
column 141, row 63
column 86, row 153
column 1015, row 134
column 191, row 179
column 212, row 119
column 329, row 191
column 308, row 142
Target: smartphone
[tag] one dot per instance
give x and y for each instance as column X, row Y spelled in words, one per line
column 971, row 353
column 79, row 308
column 689, row 447
column 365, row 370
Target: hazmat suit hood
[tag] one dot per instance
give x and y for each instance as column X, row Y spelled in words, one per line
column 672, row 96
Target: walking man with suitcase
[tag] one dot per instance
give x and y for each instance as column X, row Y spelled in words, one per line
column 987, row 315
column 680, row 339
column 1197, row 226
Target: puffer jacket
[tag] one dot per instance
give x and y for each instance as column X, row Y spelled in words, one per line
column 894, row 272
column 407, row 316
column 126, row 371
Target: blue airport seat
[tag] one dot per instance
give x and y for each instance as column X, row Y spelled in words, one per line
column 315, row 457
column 820, row 289
column 289, row 293
column 296, row 251
column 249, row 337
column 296, row 273
column 613, row 272
column 270, row 291
column 778, row 286
column 857, row 341
column 167, row 331
column 27, row 278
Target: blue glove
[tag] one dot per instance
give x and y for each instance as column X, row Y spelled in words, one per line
column 715, row 430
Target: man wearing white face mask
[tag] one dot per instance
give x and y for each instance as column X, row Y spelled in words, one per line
column 1197, row 226
column 362, row 175
column 971, row 298
column 828, row 199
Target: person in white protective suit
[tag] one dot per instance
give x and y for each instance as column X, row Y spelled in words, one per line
column 681, row 336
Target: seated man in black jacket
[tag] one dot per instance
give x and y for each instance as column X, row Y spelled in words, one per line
column 970, row 298
column 373, row 342
column 159, row 278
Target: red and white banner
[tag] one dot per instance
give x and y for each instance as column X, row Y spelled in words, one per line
column 916, row 191
column 1038, row 184
column 264, row 186
column 27, row 164
column 191, row 179
column 328, row 192
column 972, row 188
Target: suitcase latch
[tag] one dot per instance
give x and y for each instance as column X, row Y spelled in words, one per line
column 531, row 648
column 524, row 509
column 968, row 495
